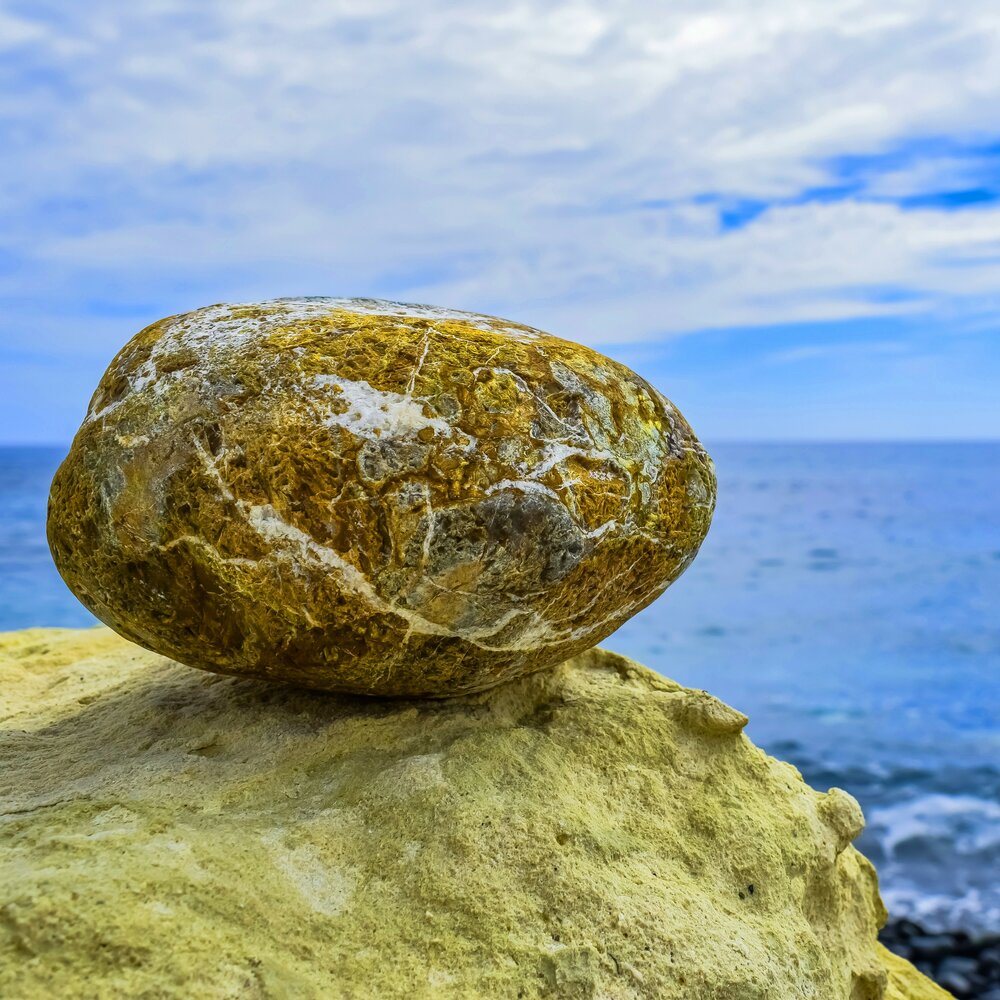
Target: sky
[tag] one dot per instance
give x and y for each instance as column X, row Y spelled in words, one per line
column 785, row 214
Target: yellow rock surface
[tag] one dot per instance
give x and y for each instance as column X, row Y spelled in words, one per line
column 591, row 831
column 373, row 497
column 906, row 983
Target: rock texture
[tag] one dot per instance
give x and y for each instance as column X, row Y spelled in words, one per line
column 373, row 497
column 907, row 983
column 588, row 831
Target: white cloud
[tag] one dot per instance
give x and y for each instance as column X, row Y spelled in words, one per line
column 16, row 31
column 849, row 352
column 501, row 157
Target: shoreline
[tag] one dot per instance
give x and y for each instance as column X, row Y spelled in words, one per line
column 967, row 966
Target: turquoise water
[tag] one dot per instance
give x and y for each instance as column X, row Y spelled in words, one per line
column 846, row 599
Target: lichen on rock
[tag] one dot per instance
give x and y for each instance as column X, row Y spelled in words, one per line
column 373, row 497
column 591, row 830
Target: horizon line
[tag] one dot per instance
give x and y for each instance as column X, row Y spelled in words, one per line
column 724, row 442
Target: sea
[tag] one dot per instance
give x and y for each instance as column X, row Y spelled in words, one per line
column 847, row 599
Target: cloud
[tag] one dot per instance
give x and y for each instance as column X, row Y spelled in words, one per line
column 850, row 352
column 615, row 172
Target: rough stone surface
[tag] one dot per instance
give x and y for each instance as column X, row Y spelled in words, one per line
column 588, row 831
column 907, row 983
column 372, row 497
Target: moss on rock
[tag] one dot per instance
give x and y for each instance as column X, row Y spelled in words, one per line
column 588, row 831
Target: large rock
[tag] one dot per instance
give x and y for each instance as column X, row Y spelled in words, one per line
column 589, row 831
column 373, row 497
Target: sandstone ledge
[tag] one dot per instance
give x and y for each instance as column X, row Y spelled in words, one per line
column 589, row 831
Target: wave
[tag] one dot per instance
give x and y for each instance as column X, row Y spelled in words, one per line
column 938, row 857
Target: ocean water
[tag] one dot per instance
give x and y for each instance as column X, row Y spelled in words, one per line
column 847, row 599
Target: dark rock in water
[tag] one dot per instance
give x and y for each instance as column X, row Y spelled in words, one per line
column 933, row 946
column 957, row 973
column 967, row 967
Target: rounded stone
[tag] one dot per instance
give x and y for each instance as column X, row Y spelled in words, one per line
column 365, row 496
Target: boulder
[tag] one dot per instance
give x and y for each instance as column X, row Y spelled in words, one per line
column 591, row 830
column 372, row 497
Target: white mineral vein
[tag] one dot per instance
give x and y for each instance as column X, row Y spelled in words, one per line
column 270, row 526
column 372, row 413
